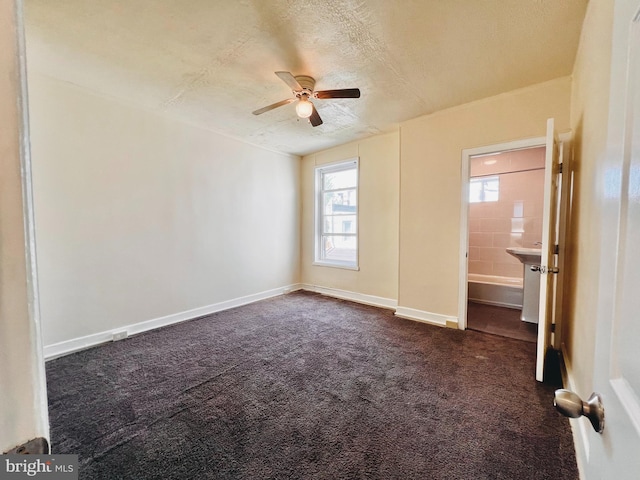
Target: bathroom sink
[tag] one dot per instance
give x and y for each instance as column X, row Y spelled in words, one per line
column 529, row 256
column 531, row 284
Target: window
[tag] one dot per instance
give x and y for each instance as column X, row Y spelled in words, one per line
column 484, row 189
column 336, row 232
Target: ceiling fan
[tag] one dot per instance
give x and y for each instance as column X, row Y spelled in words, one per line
column 302, row 88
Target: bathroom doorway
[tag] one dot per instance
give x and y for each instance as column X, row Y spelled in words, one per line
column 504, row 216
column 543, row 268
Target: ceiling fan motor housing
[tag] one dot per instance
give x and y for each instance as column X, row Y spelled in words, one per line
column 307, row 83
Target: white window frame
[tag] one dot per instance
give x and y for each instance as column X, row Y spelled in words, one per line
column 319, row 213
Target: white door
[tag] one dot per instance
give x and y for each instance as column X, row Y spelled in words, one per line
column 615, row 453
column 548, row 268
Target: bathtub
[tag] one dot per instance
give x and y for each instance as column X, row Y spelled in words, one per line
column 495, row 290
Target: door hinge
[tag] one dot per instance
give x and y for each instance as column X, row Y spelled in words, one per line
column 560, row 167
column 553, row 328
column 544, row 269
column 556, row 249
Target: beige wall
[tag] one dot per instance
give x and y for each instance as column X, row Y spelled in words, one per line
column 23, row 393
column 430, row 183
column 378, row 219
column 589, row 118
column 140, row 216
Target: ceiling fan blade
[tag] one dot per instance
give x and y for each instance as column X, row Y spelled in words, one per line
column 274, row 105
column 341, row 93
column 290, row 80
column 315, row 118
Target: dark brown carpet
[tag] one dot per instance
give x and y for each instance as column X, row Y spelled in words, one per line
column 303, row 386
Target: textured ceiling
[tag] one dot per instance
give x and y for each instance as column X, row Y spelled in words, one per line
column 212, row 62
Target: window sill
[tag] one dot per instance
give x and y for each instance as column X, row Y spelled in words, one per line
column 336, row 265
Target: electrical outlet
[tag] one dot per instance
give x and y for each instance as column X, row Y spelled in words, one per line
column 119, row 335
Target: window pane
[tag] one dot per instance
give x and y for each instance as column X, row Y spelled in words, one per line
column 339, row 224
column 341, row 179
column 475, row 191
column 337, row 207
column 342, row 202
column 339, row 248
column 491, row 189
column 484, row 189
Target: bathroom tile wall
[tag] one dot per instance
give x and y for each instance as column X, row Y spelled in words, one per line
column 515, row 219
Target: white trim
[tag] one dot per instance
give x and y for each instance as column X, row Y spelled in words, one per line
column 75, row 344
column 352, row 296
column 463, row 288
column 579, row 426
column 336, row 265
column 425, row 317
column 338, row 164
column 33, row 291
column 30, row 370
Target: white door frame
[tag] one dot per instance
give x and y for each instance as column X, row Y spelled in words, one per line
column 467, row 153
column 24, row 413
column 565, row 140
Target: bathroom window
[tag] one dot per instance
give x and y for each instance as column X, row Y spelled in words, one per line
column 484, row 189
column 336, row 231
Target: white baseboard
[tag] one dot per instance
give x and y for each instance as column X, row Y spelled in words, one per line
column 403, row 312
column 352, row 296
column 75, row 344
column 427, row 317
column 579, row 426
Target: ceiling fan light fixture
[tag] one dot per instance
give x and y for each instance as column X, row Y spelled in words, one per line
column 304, row 108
